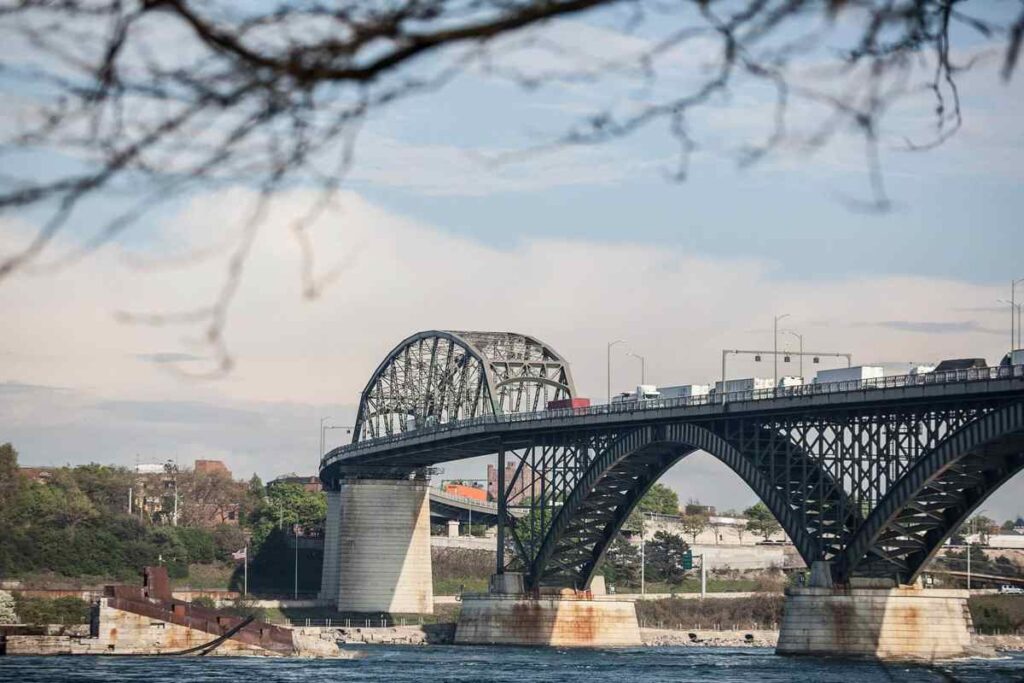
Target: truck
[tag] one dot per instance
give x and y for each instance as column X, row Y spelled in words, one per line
column 790, row 381
column 685, row 391
column 577, row 402
column 744, row 384
column 855, row 374
column 644, row 392
column 1017, row 357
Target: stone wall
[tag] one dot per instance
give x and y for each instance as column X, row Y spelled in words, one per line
column 895, row 623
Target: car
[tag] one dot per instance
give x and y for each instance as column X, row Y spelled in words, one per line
column 1007, row 589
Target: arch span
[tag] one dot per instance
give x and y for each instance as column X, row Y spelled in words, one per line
column 936, row 496
column 438, row 376
column 617, row 478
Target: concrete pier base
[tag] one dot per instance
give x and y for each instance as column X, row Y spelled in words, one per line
column 877, row 623
column 377, row 547
column 558, row 621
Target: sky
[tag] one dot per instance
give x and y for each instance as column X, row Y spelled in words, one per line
column 577, row 246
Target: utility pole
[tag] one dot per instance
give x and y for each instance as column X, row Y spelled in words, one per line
column 608, row 375
column 502, row 513
column 1013, row 309
column 643, row 543
column 296, row 536
column 703, row 578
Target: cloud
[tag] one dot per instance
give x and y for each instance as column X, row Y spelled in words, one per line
column 170, row 357
column 936, row 327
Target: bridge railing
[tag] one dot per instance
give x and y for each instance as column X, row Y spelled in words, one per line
column 891, row 382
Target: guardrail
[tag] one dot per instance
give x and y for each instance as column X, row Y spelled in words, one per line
column 802, row 390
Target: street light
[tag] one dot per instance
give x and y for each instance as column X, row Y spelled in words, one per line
column 323, row 429
column 775, row 334
column 1020, row 313
column 608, row 376
column 643, row 367
column 1013, row 306
column 801, row 338
column 971, row 522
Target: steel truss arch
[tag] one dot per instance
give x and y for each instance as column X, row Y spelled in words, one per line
column 936, row 495
column 438, row 376
column 617, row 478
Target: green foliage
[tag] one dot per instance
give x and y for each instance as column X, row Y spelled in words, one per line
column 621, row 565
column 762, row 611
column 204, row 601
column 284, row 506
column 997, row 613
column 664, row 558
column 272, row 567
column 66, row 610
column 659, row 500
column 8, row 613
column 760, row 520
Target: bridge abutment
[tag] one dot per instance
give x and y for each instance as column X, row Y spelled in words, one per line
column 377, row 547
column 879, row 623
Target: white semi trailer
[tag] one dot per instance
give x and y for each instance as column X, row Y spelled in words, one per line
column 854, row 374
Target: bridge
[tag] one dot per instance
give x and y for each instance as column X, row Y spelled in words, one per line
column 868, row 478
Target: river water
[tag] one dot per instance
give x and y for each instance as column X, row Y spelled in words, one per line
column 512, row 665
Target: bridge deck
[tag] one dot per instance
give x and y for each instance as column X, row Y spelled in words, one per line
column 483, row 435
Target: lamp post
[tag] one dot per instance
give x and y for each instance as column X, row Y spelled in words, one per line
column 800, row 337
column 1013, row 306
column 972, row 526
column 643, row 367
column 608, row 375
column 1019, row 310
column 775, row 334
column 348, row 430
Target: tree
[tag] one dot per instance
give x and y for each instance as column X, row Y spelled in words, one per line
column 11, row 481
column 287, row 505
column 209, row 498
column 7, row 613
column 178, row 95
column 693, row 525
column 659, row 500
column 664, row 557
column 621, row 565
column 1007, row 526
column 760, row 520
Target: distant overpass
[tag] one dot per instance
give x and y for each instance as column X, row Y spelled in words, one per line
column 445, row 506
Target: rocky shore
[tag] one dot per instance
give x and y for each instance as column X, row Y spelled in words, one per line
column 656, row 637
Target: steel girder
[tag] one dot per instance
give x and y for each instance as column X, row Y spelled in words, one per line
column 936, row 495
column 435, row 377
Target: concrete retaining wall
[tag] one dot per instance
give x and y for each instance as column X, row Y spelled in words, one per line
column 383, row 548
column 124, row 632
column 896, row 623
column 506, row 620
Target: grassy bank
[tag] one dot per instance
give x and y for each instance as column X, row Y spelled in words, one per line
column 760, row 612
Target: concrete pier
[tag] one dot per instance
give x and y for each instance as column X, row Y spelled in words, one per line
column 879, row 623
column 565, row 618
column 377, row 547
